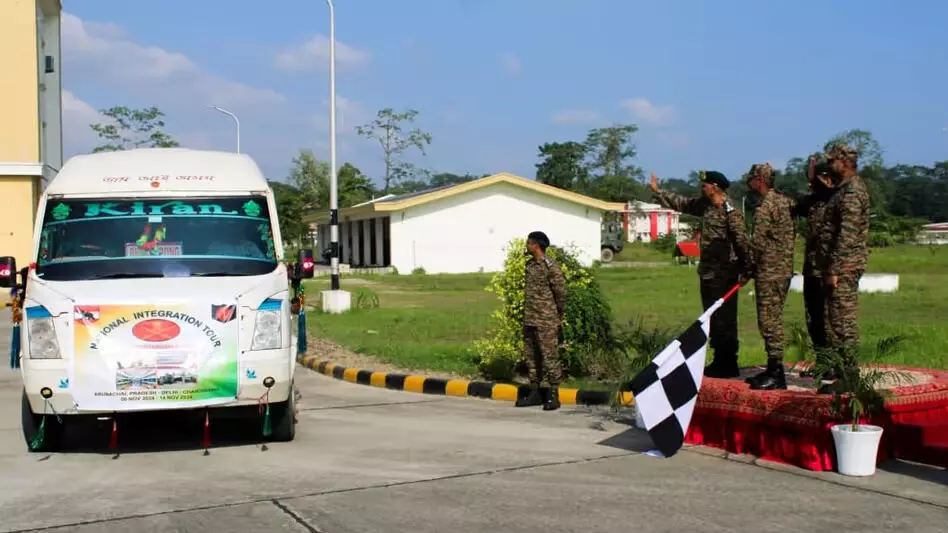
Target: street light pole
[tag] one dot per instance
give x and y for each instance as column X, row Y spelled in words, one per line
column 333, row 184
column 236, row 121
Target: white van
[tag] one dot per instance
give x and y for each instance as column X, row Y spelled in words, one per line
column 156, row 283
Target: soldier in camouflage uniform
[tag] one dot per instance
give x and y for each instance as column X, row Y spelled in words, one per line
column 772, row 249
column 813, row 207
column 724, row 261
column 543, row 308
column 846, row 230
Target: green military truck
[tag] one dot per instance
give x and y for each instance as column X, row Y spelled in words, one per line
column 612, row 239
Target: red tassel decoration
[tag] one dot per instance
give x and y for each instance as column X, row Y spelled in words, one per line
column 207, row 433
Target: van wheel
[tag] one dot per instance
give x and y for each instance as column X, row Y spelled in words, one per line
column 284, row 419
column 52, row 431
column 607, row 255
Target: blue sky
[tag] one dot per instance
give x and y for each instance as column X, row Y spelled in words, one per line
column 714, row 85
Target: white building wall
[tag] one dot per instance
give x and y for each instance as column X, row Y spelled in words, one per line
column 468, row 232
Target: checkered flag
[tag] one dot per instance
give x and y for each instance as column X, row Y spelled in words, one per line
column 666, row 391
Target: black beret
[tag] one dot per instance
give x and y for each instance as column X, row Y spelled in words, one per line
column 715, row 177
column 540, row 238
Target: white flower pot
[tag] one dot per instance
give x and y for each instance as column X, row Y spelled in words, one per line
column 856, row 451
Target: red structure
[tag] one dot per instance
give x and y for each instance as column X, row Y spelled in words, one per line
column 792, row 426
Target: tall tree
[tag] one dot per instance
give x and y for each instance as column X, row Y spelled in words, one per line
column 610, row 150
column 290, row 211
column 563, row 165
column 388, row 129
column 354, row 186
column 311, row 177
column 132, row 128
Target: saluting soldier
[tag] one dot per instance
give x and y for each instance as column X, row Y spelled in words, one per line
column 772, row 248
column 724, row 261
column 813, row 208
column 846, row 226
column 543, row 309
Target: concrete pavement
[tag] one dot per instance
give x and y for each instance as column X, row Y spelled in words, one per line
column 368, row 459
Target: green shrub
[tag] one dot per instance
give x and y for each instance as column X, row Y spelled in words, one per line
column 665, row 244
column 587, row 328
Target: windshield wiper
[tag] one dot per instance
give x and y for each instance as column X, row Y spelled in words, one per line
column 127, row 275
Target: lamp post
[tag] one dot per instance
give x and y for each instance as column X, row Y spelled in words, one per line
column 333, row 184
column 335, row 300
column 233, row 116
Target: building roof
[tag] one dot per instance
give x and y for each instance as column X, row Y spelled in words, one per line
column 398, row 202
column 174, row 169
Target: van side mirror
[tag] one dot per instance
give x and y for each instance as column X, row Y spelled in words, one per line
column 306, row 264
column 7, row 272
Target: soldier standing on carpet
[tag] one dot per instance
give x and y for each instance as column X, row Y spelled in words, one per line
column 846, row 227
column 813, row 208
column 543, row 309
column 724, row 262
column 772, row 248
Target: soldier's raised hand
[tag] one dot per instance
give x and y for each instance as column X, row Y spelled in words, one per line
column 653, row 183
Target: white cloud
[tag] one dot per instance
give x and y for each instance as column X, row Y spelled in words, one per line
column 100, row 52
column 575, row 116
column 314, row 54
column 511, row 64
column 644, row 110
column 101, row 59
column 77, row 117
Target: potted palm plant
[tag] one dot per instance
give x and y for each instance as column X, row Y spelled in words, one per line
column 856, row 397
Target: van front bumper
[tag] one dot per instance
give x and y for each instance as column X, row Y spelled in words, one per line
column 253, row 369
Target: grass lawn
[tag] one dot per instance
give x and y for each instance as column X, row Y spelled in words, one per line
column 429, row 321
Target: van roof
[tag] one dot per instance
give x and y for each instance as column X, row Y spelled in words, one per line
column 158, row 169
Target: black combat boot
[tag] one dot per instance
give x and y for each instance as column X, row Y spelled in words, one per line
column 553, row 402
column 771, row 378
column 724, row 370
column 532, row 399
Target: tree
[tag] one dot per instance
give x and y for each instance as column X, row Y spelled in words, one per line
column 290, row 210
column 311, row 177
column 388, row 130
column 563, row 165
column 132, row 128
column 354, row 186
column 610, row 148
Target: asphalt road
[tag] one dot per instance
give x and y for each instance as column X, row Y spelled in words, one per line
column 370, row 460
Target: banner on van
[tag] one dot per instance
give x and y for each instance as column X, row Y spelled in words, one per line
column 139, row 357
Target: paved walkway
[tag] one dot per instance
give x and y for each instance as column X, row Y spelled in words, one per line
column 374, row 460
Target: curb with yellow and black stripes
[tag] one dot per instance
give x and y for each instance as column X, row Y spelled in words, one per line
column 454, row 387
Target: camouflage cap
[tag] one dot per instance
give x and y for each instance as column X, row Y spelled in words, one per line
column 764, row 171
column 714, row 177
column 841, row 150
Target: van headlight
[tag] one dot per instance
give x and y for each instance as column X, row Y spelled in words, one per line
column 268, row 330
column 42, row 335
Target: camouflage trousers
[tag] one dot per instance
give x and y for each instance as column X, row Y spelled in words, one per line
column 540, row 349
column 843, row 308
column 771, row 295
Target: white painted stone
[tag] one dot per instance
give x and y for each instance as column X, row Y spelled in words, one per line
column 868, row 283
column 336, row 301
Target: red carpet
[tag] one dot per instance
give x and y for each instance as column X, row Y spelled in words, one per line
column 792, row 426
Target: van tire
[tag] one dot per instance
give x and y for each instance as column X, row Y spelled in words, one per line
column 607, row 255
column 53, row 437
column 284, row 419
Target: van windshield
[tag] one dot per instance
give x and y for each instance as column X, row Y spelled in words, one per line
column 89, row 238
